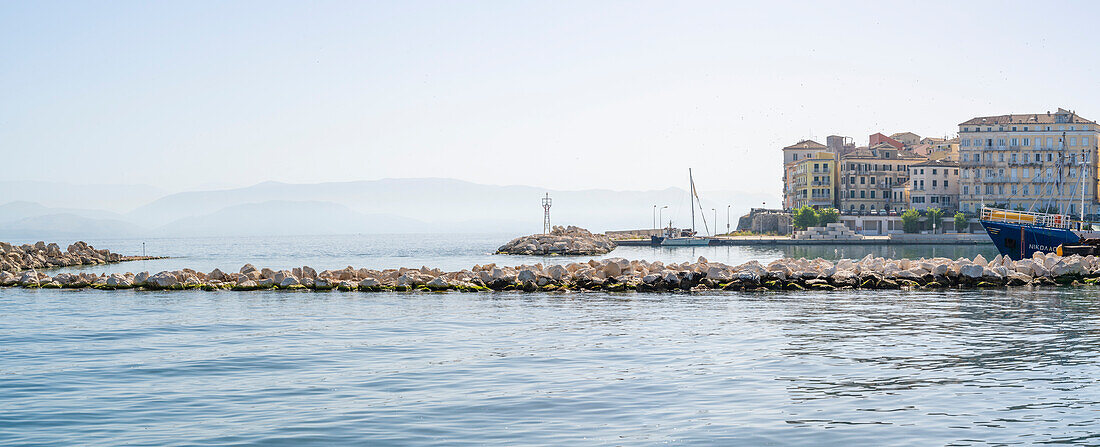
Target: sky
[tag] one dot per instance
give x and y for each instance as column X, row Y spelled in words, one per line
column 562, row 94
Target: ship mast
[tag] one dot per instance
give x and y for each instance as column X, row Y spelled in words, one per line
column 691, row 181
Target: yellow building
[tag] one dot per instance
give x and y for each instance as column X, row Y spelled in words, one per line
column 793, row 156
column 1033, row 161
column 813, row 181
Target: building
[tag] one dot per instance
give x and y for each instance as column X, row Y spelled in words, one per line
column 813, row 181
column 933, row 184
column 878, row 138
column 793, row 154
column 868, row 177
column 1040, row 161
column 906, row 138
column 840, row 145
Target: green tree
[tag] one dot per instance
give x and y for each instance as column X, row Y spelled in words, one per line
column 827, row 216
column 910, row 220
column 934, row 215
column 804, row 218
column 962, row 224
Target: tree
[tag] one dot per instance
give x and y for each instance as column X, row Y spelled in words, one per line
column 962, row 224
column 804, row 218
column 910, row 220
column 934, row 216
column 827, row 216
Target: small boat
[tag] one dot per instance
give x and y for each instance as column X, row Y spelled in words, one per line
column 689, row 239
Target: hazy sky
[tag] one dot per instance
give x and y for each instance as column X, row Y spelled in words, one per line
column 567, row 95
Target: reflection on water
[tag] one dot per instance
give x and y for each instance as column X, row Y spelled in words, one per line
column 881, row 368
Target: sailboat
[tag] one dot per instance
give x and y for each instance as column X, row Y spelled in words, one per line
column 671, row 240
column 1019, row 234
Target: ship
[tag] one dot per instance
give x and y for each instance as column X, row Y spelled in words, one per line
column 1019, row 234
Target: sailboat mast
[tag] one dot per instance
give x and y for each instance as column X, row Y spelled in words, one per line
column 691, row 181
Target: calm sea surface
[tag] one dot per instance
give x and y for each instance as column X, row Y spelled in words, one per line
column 295, row 368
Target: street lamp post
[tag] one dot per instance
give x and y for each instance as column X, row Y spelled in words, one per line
column 715, row 230
column 654, row 218
column 728, row 219
column 661, row 214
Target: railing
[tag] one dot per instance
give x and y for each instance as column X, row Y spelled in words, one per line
column 1027, row 218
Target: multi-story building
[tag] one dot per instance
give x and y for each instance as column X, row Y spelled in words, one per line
column 1033, row 161
column 793, row 154
column 906, row 138
column 813, row 181
column 933, row 184
column 868, row 177
column 878, row 138
column 840, row 145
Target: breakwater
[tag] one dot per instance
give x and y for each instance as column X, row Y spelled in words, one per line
column 40, row 255
column 614, row 275
column 561, row 241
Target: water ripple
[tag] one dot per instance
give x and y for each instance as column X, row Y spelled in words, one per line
column 884, row 368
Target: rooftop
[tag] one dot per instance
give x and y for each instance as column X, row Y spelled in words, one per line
column 1034, row 118
column 806, row 144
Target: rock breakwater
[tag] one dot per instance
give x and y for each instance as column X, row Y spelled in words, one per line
column 616, row 275
column 40, row 255
column 562, row 241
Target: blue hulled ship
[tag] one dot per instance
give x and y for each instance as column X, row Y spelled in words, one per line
column 1019, row 234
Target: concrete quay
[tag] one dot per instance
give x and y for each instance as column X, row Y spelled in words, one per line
column 893, row 239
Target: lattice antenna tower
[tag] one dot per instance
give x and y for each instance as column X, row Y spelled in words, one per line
column 546, row 202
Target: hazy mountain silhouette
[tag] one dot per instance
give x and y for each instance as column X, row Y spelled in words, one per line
column 378, row 206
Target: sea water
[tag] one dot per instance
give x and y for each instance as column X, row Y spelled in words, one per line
column 1011, row 366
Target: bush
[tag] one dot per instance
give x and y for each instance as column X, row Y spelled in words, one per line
column 827, row 216
column 934, row 215
column 910, row 221
column 805, row 218
column 962, row 224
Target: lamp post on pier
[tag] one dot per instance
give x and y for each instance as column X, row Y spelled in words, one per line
column 661, row 214
column 728, row 218
column 715, row 230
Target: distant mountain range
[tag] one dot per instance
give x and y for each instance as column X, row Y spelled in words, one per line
column 377, row 206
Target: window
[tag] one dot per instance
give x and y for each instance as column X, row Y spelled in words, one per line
column 1050, row 141
column 1027, row 141
column 945, row 184
column 933, row 171
column 1015, row 142
column 1014, row 158
column 796, row 156
column 863, row 194
column 872, row 182
column 966, row 158
column 1050, row 156
column 1013, row 189
column 852, row 194
column 1025, row 190
column 977, row 158
column 872, row 194
column 966, row 189
column 1072, row 141
column 956, row 172
column 934, row 199
column 863, row 180
column 1013, row 128
column 933, row 184
column 1084, row 141
column 1001, row 142
column 1001, row 157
